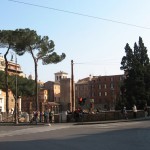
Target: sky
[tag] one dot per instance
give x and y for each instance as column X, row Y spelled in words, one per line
column 92, row 33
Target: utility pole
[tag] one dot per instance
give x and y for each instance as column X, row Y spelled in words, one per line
column 72, row 87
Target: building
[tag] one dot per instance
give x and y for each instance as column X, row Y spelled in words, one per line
column 101, row 91
column 53, row 91
column 2, row 63
column 13, row 68
column 60, row 91
column 82, row 90
column 2, row 101
column 65, row 94
column 11, row 101
column 53, row 88
column 60, row 75
column 105, row 90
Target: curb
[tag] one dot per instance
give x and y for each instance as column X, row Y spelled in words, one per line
column 73, row 123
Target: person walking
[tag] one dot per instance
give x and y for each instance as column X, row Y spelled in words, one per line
column 125, row 113
column 36, row 116
column 145, row 110
column 50, row 116
column 134, row 111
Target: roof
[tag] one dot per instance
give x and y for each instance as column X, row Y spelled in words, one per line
column 61, row 72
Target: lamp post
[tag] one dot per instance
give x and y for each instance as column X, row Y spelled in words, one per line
column 16, row 117
column 113, row 98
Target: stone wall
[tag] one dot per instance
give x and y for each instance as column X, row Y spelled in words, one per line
column 104, row 116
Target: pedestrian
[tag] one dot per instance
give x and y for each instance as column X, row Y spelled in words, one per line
column 50, row 116
column 36, row 116
column 41, row 116
column 134, row 111
column 45, row 116
column 145, row 110
column 125, row 112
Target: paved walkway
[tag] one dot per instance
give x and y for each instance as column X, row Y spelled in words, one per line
column 73, row 123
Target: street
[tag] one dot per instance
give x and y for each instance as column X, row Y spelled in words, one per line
column 133, row 135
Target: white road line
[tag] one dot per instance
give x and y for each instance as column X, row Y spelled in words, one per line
column 119, row 124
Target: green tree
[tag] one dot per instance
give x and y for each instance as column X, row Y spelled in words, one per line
column 135, row 65
column 25, row 87
column 2, row 79
column 40, row 48
column 7, row 41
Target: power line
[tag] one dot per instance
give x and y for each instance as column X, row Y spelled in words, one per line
column 97, row 63
column 80, row 14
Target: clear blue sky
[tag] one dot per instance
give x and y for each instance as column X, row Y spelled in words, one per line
column 96, row 43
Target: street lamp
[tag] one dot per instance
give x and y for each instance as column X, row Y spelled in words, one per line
column 113, row 97
column 16, row 118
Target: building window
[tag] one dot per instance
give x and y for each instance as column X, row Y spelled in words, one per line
column 105, row 93
column 121, row 78
column 99, row 86
column 105, row 86
column 59, row 77
column 100, row 94
column 93, row 94
column 111, row 85
column 111, row 79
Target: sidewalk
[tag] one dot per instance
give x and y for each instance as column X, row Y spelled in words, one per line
column 73, row 123
column 112, row 121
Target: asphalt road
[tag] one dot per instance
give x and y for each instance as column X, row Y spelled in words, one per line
column 112, row 136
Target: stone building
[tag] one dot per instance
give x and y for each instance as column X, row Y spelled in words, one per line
column 101, row 91
column 53, row 89
column 13, row 68
column 60, row 91
column 60, row 75
column 82, row 90
column 65, row 94
column 105, row 90
column 11, row 101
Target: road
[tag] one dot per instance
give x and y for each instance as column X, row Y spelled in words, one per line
column 111, row 136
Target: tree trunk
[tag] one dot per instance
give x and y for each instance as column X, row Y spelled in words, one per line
column 36, row 79
column 36, row 87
